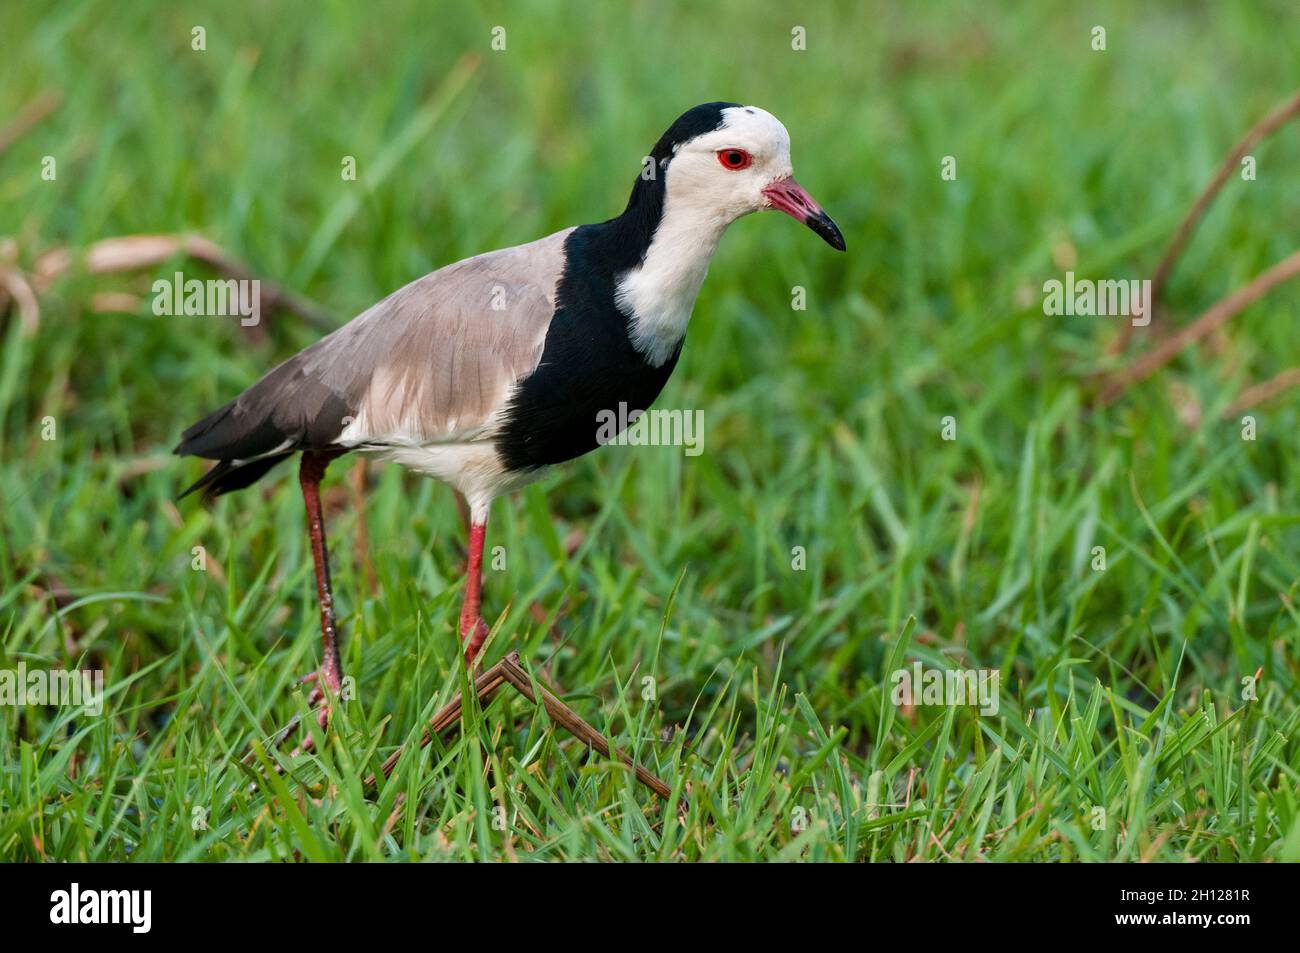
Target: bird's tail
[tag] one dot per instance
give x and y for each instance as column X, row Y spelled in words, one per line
column 243, row 437
column 230, row 475
column 289, row 409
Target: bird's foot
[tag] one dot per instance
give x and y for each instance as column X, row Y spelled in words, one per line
column 327, row 684
column 331, row 680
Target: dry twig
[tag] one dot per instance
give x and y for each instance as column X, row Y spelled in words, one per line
column 509, row 671
column 131, row 252
column 1261, row 130
column 1212, row 319
column 28, row 117
column 1259, row 393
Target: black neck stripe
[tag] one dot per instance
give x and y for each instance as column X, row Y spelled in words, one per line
column 623, row 241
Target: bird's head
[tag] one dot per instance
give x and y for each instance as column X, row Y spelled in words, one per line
column 723, row 160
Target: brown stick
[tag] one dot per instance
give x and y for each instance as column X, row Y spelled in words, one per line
column 508, row 670
column 1262, row 129
column 273, row 294
column 28, row 117
column 485, row 686
column 360, row 477
column 1259, row 393
column 568, row 718
column 15, row 286
column 1208, row 322
column 131, row 252
column 1265, row 127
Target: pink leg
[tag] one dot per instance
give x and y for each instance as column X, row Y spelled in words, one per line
column 473, row 630
column 329, row 680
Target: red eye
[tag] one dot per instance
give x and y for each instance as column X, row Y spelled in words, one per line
column 734, row 158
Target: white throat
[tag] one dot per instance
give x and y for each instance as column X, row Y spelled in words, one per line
column 658, row 295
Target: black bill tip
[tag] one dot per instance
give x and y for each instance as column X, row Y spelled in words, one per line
column 823, row 225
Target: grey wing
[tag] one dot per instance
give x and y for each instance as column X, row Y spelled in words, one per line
column 433, row 362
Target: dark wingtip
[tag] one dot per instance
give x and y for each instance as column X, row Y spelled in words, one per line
column 205, row 482
column 227, row 476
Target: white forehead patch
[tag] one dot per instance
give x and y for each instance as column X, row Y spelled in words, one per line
column 752, row 129
column 751, row 120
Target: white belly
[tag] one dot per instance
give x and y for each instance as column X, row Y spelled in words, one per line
column 473, row 469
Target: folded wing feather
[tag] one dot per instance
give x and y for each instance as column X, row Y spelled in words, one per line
column 433, row 362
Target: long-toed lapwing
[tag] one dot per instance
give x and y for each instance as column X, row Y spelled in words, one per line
column 486, row 372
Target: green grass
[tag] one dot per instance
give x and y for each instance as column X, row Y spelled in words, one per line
column 771, row 707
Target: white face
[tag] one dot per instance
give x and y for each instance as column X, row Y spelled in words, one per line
column 711, row 180
column 723, row 173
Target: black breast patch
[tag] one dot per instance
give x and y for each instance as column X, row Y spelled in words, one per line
column 588, row 364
